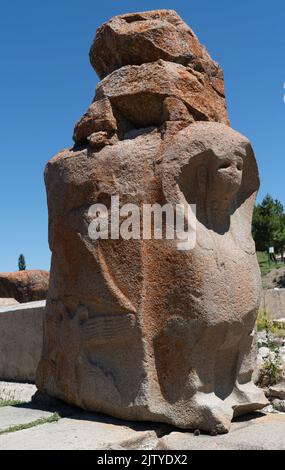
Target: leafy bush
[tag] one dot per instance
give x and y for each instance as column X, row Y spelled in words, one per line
column 271, row 371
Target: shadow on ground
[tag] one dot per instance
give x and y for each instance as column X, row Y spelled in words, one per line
column 161, row 429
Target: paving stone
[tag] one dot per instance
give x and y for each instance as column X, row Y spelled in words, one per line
column 15, row 415
column 85, row 431
column 266, row 432
column 82, row 431
column 17, row 391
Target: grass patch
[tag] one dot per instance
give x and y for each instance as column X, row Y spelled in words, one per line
column 19, row 427
column 8, row 398
column 4, row 402
column 264, row 323
column 277, row 331
column 263, row 320
column 265, row 264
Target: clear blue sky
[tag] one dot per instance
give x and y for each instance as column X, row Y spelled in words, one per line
column 47, row 84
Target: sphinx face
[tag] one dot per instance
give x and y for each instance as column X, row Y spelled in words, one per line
column 224, row 179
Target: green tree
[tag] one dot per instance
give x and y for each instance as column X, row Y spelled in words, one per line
column 268, row 224
column 22, row 263
column 279, row 237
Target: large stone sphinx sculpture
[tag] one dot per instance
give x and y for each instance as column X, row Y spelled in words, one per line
column 137, row 328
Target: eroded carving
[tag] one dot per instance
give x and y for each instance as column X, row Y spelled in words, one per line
column 137, row 328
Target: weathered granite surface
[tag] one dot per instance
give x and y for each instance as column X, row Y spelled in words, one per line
column 137, row 328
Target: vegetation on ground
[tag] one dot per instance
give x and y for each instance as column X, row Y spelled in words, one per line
column 7, row 398
column 10, row 403
column 264, row 322
column 265, row 264
column 271, row 371
column 19, row 427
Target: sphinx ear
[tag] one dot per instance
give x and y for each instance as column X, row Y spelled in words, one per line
column 202, row 178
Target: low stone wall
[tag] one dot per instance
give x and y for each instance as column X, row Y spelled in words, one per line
column 274, row 302
column 21, row 333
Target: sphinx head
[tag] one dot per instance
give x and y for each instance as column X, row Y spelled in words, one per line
column 219, row 178
column 213, row 166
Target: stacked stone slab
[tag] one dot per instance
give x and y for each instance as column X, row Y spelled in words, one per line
column 137, row 328
column 153, row 70
column 25, row 286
